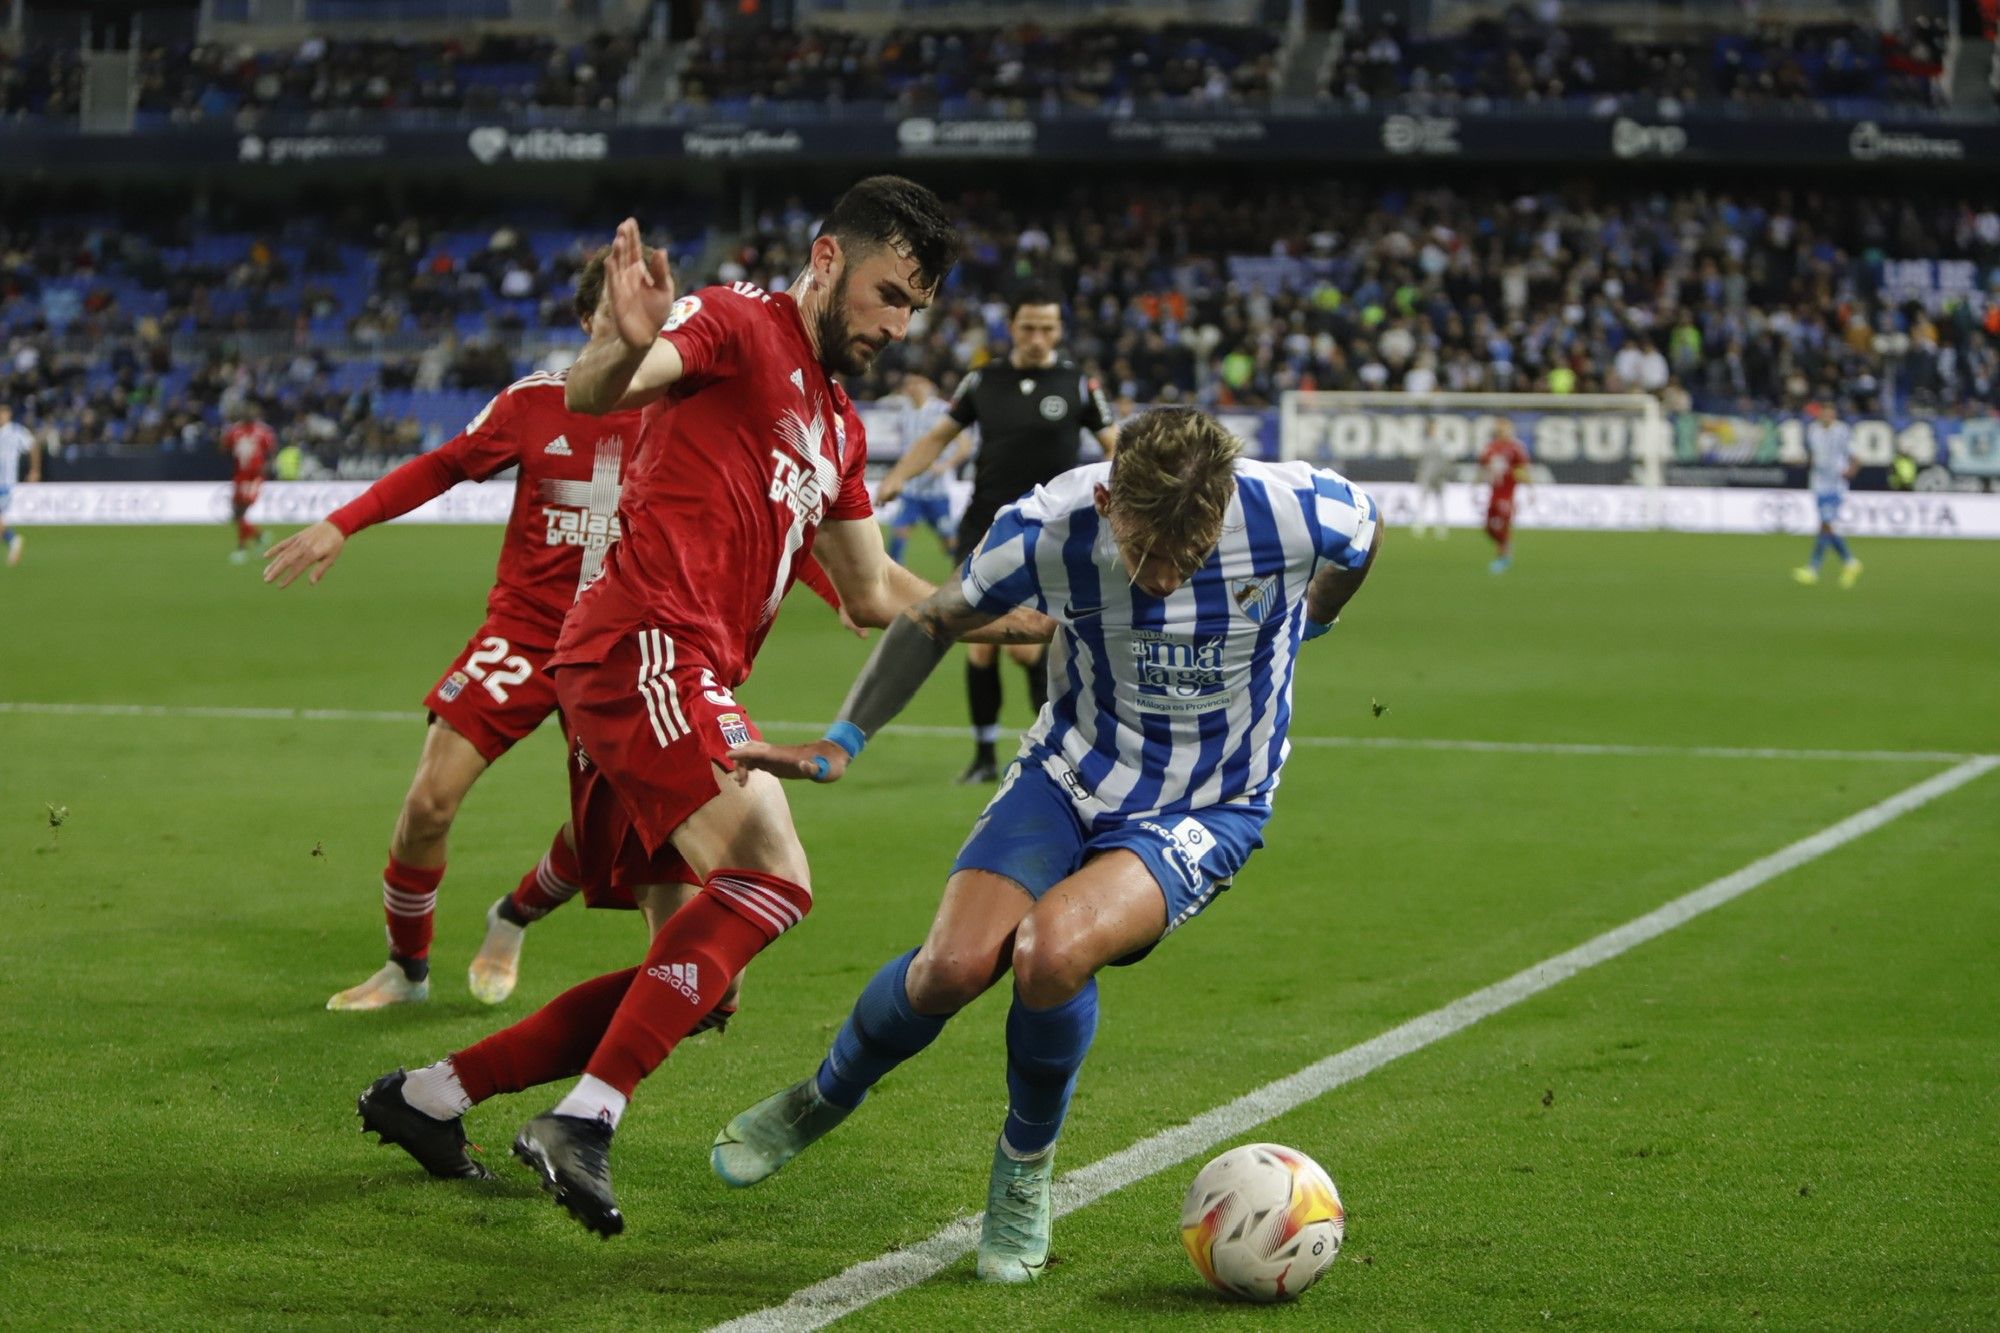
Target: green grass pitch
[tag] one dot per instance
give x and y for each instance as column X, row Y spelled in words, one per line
column 1785, row 1114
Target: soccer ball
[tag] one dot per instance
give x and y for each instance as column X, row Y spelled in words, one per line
column 1262, row 1222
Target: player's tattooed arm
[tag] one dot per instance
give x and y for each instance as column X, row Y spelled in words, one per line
column 946, row 615
column 1332, row 588
column 896, row 670
column 904, row 659
column 918, row 641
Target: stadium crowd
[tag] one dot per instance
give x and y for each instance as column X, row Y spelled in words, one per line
column 208, row 83
column 1722, row 301
column 1519, row 60
column 1015, row 69
column 120, row 337
column 972, row 68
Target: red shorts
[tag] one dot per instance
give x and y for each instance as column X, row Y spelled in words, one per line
column 647, row 725
column 495, row 692
column 1500, row 517
column 612, row 885
column 243, row 493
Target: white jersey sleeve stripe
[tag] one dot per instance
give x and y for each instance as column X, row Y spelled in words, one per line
column 1346, row 521
column 1003, row 573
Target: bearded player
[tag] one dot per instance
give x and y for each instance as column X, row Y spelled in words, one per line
column 249, row 444
column 496, row 692
column 752, row 457
column 1504, row 464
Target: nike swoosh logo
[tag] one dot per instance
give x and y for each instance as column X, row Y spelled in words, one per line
column 1081, row 612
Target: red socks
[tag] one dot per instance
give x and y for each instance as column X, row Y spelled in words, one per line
column 409, row 896
column 553, row 882
column 609, row 1022
column 690, row 964
column 553, row 1042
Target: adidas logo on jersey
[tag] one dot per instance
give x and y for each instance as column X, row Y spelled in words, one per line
column 559, row 446
column 683, row 977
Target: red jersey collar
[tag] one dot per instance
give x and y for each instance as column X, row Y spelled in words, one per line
column 796, row 321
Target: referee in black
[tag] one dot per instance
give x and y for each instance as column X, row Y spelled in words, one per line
column 1030, row 410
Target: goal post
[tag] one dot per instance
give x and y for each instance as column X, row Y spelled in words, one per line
column 1598, row 440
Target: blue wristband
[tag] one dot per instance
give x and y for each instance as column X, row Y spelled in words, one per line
column 1314, row 628
column 848, row 737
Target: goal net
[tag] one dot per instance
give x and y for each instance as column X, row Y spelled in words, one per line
column 1607, row 450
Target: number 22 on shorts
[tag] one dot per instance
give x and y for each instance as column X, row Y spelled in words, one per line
column 494, row 651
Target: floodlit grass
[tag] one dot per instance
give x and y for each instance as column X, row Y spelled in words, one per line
column 1782, row 1114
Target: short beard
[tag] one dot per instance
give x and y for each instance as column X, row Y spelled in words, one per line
column 837, row 355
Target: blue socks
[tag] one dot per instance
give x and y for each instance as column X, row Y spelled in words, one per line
column 896, row 544
column 1045, row 1048
column 881, row 1033
column 1830, row 541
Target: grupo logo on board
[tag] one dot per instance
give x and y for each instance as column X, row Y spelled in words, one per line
column 492, row 143
column 277, row 150
column 922, row 137
column 732, row 143
column 1869, row 142
column 1631, row 139
column 1421, row 136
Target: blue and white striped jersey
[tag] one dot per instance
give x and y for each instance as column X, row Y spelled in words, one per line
column 16, row 443
column 914, row 423
column 1166, row 705
column 1827, row 444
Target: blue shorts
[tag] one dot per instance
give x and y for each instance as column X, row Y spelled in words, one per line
column 914, row 509
column 1031, row 834
column 1829, row 503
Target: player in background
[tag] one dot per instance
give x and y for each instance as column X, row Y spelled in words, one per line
column 497, row 690
column 752, row 457
column 1029, row 410
column 1185, row 579
column 1432, row 470
column 1504, row 464
column 926, row 499
column 249, row 442
column 1828, row 441
column 16, row 442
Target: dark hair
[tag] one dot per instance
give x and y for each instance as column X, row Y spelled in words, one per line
column 889, row 211
column 590, row 280
column 1036, row 295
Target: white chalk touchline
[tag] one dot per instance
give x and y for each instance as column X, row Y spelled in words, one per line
column 872, row 1280
column 220, row 713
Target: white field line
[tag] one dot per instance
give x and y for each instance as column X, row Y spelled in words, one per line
column 906, row 729
column 872, row 1280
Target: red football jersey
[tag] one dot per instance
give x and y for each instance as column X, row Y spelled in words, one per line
column 751, row 450
column 251, row 444
column 1500, row 462
column 565, row 514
